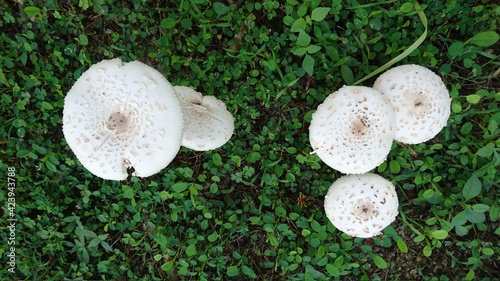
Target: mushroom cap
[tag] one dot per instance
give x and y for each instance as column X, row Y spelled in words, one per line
column 361, row 205
column 208, row 124
column 420, row 99
column 353, row 129
column 121, row 115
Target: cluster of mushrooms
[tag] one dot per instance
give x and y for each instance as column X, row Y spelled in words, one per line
column 352, row 131
column 119, row 116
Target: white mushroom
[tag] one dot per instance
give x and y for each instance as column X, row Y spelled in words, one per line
column 208, row 124
column 353, row 129
column 121, row 115
column 420, row 99
column 361, row 205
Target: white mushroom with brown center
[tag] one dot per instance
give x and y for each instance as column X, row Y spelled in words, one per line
column 122, row 115
column 420, row 99
column 353, row 129
column 361, row 205
column 208, row 124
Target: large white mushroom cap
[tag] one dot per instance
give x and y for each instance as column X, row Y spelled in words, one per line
column 420, row 99
column 121, row 115
column 353, row 129
column 208, row 124
column 361, row 205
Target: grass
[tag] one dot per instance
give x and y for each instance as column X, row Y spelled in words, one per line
column 252, row 209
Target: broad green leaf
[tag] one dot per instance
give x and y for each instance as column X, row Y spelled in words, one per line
column 83, row 39
column 334, row 271
column 475, row 217
column 96, row 241
column 311, row 49
column 394, row 167
column 487, row 150
column 248, row 271
column 157, row 257
column 317, row 275
column 273, row 241
column 288, row 20
column 161, row 240
column 280, row 211
column 102, row 218
column 480, row 208
column 472, row 187
column 128, row 191
column 106, row 246
column 179, row 187
column 213, row 237
column 191, row 250
column 488, row 251
column 220, row 8
column 17, row 123
column 216, row 159
column 165, row 195
column 473, row 99
column 167, row 266
column 459, row 219
column 31, row 11
column 321, row 251
column 470, row 275
column 50, row 166
column 402, row 246
column 493, row 125
column 303, row 39
column 461, row 230
column 319, row 14
column 300, row 51
column 406, row 7
column 427, row 251
column 192, row 190
column 308, row 64
column 316, row 226
column 233, row 271
column 167, row 23
column 456, row 107
column 439, row 234
column 456, row 49
column 298, row 25
column 428, row 193
column 46, row 105
column 380, row 262
column 419, row 238
column 494, row 212
column 347, row 75
column 485, row 38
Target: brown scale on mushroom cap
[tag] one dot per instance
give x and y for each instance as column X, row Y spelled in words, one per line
column 118, row 121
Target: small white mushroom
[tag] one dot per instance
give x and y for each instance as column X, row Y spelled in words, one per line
column 121, row 115
column 361, row 205
column 353, row 129
column 208, row 124
column 420, row 99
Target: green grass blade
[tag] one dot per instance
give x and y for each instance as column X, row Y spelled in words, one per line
column 401, row 56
